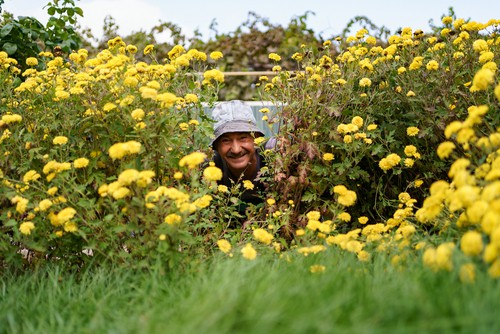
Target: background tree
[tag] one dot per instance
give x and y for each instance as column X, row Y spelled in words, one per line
column 26, row 36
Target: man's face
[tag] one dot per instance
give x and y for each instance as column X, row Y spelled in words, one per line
column 237, row 150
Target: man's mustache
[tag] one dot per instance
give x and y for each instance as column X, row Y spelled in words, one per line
column 232, row 155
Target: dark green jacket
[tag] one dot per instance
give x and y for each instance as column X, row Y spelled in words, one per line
column 229, row 180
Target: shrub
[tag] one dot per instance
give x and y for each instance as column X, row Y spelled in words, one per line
column 91, row 147
column 379, row 111
column 105, row 157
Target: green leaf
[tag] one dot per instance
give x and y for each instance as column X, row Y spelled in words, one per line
column 10, row 48
column 6, row 29
column 36, row 246
column 120, row 228
column 109, row 218
column 86, row 202
column 51, row 11
column 10, row 222
column 379, row 148
column 79, row 11
column 309, row 197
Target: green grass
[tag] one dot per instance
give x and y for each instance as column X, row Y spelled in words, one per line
column 268, row 295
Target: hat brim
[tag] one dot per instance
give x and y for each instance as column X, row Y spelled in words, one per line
column 235, row 126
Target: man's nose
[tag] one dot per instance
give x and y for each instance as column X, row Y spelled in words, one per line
column 235, row 147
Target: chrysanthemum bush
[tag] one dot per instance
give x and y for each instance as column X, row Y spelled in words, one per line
column 361, row 140
column 106, row 158
column 98, row 154
column 370, row 116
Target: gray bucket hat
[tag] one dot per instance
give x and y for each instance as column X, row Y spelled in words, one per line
column 233, row 116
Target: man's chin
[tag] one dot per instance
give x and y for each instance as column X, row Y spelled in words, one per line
column 239, row 163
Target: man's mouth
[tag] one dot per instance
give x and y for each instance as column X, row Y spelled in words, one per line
column 236, row 156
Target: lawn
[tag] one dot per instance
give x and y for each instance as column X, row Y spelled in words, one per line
column 266, row 295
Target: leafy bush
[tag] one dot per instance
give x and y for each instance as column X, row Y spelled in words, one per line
column 105, row 157
column 361, row 140
column 367, row 105
column 26, row 36
column 93, row 152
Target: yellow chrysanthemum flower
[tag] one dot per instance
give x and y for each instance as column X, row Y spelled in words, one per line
column 120, row 150
column 344, row 216
column 224, row 245
column 215, row 55
column 31, row 61
column 315, row 249
column 263, row 236
column 81, row 163
column 212, row 173
column 482, row 79
column 452, row 128
column 222, row 188
column 128, row 176
column 203, row 201
column 192, row 160
column 471, row 243
column 60, row 140
column 365, row 82
column 26, row 228
column 313, row 215
column 480, row 45
column 486, row 57
column 358, row 121
column 173, row 219
column 45, row 204
column 191, row 98
column 65, row 215
column 214, row 75
column 138, row 114
column 410, row 150
column 120, row 193
column 270, row 201
column 347, row 199
column 445, row 149
column 31, row 175
column 259, row 140
column 247, row 184
column 363, row 220
column 274, row 56
column 389, row 161
column 328, row 156
column 432, row 65
column 148, row 49
column 249, row 252
column 14, row 118
column 70, row 227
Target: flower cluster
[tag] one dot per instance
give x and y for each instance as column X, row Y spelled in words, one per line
column 345, row 197
column 389, row 162
column 471, row 196
column 335, row 164
column 121, row 150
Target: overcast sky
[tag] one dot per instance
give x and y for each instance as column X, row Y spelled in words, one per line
column 330, row 16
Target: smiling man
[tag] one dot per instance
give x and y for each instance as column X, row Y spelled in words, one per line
column 235, row 151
